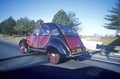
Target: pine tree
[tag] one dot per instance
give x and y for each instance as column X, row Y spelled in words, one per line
column 114, row 18
column 24, row 25
column 6, row 26
column 39, row 22
column 61, row 17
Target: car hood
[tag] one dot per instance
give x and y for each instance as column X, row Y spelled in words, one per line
column 73, row 41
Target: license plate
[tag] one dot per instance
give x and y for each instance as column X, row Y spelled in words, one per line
column 79, row 49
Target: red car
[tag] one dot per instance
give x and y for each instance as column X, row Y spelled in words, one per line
column 56, row 40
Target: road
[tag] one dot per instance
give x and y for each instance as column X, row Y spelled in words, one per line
column 14, row 65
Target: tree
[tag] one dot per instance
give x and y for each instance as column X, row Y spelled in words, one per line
column 39, row 22
column 70, row 19
column 7, row 26
column 24, row 25
column 74, row 21
column 61, row 17
column 114, row 18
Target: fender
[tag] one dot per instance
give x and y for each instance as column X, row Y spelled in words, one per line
column 24, row 41
column 56, row 44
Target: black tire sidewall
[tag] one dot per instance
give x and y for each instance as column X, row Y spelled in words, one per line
column 24, row 46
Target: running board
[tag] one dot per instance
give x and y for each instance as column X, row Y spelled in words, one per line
column 38, row 50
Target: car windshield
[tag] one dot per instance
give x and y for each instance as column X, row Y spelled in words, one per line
column 67, row 29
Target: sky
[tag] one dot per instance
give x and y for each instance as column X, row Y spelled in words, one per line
column 91, row 13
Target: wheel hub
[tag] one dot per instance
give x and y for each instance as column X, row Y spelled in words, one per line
column 22, row 48
column 52, row 55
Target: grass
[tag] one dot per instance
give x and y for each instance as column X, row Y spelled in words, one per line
column 13, row 37
column 104, row 40
column 108, row 41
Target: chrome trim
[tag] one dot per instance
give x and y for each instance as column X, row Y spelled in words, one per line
column 77, row 53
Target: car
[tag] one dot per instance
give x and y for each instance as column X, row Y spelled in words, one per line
column 57, row 41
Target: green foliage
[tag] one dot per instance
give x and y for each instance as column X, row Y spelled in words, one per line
column 24, row 25
column 114, row 18
column 6, row 27
column 74, row 21
column 70, row 19
column 39, row 22
column 61, row 18
column 21, row 26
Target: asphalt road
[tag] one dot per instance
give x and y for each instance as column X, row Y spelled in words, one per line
column 14, row 65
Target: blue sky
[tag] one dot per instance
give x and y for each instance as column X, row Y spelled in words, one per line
column 91, row 13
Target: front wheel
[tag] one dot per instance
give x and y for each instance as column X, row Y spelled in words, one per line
column 23, row 48
column 54, row 58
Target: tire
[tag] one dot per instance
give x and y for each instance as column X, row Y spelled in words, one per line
column 54, row 58
column 23, row 48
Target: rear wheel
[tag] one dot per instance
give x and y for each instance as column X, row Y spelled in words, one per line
column 54, row 58
column 23, row 48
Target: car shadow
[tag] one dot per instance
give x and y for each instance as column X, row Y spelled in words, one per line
column 53, row 72
column 19, row 56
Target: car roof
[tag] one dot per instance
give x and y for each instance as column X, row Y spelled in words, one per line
column 51, row 25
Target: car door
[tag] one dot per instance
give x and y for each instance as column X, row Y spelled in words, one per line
column 44, row 36
column 32, row 40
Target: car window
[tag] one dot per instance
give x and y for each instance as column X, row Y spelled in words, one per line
column 67, row 29
column 45, row 30
column 55, row 32
column 36, row 32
